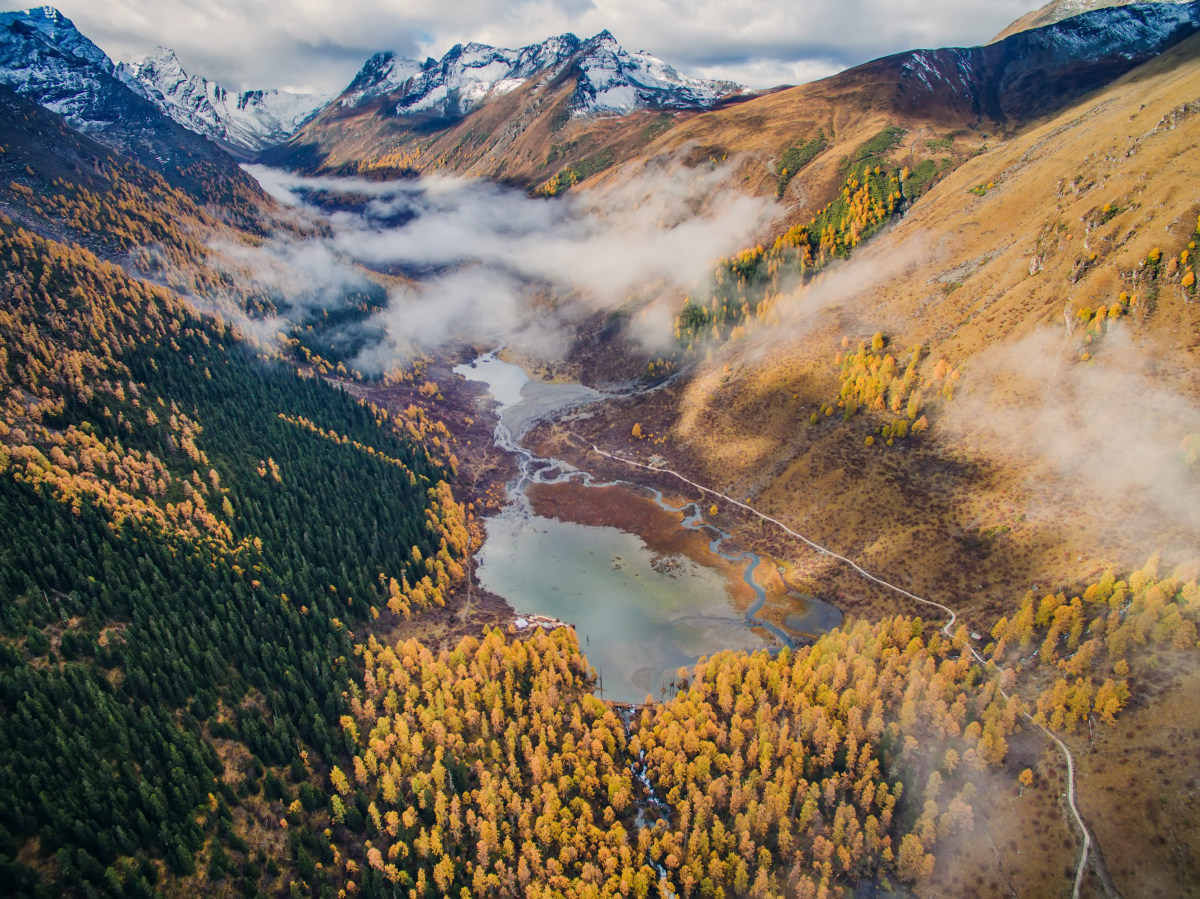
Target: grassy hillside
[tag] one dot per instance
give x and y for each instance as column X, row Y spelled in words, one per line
column 1040, row 301
column 1025, row 274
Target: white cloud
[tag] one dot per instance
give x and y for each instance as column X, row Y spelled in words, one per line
column 320, row 44
column 669, row 225
column 1104, row 436
column 764, row 73
column 489, row 262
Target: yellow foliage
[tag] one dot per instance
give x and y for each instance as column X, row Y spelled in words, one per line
column 772, row 765
column 1120, row 617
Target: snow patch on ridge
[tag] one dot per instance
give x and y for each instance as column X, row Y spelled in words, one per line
column 249, row 121
column 611, row 80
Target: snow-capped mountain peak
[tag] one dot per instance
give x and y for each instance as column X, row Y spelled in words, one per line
column 162, row 61
column 382, row 73
column 611, row 80
column 247, row 122
column 44, row 57
column 46, row 60
column 616, row 81
column 58, row 30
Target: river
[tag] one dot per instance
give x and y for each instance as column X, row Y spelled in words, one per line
column 639, row 614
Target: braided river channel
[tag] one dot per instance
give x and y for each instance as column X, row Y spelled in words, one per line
column 640, row 613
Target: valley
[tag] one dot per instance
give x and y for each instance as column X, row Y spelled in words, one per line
column 544, row 472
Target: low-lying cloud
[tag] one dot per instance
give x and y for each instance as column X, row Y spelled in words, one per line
column 480, row 261
column 305, row 276
column 1103, row 436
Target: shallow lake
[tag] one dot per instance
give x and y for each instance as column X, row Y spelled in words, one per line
column 640, row 615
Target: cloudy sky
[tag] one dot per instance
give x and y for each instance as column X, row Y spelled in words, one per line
column 320, row 44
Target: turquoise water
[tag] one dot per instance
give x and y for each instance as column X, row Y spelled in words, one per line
column 639, row 615
column 504, row 381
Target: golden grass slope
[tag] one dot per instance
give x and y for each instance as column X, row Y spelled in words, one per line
column 1062, row 453
column 850, row 108
column 1058, row 455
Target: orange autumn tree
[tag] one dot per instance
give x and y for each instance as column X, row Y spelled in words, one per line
column 493, row 769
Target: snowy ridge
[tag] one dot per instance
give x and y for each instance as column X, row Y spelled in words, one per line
column 612, row 81
column 1010, row 77
column 249, row 121
column 1059, row 10
column 1065, row 9
column 619, row 82
column 381, row 74
column 43, row 57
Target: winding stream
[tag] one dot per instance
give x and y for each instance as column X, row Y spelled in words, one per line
column 639, row 615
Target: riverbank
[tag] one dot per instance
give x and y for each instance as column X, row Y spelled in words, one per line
column 804, row 573
column 650, row 586
column 627, row 508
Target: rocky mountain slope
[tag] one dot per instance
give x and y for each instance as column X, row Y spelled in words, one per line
column 611, row 81
column 531, row 135
column 1057, row 10
column 480, row 101
column 972, row 92
column 244, row 123
column 44, row 58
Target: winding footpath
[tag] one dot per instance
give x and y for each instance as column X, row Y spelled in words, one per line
column 1087, row 850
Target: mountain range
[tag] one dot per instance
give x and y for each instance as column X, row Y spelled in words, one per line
column 531, row 133
column 43, row 56
column 561, row 105
column 244, row 123
column 610, row 81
